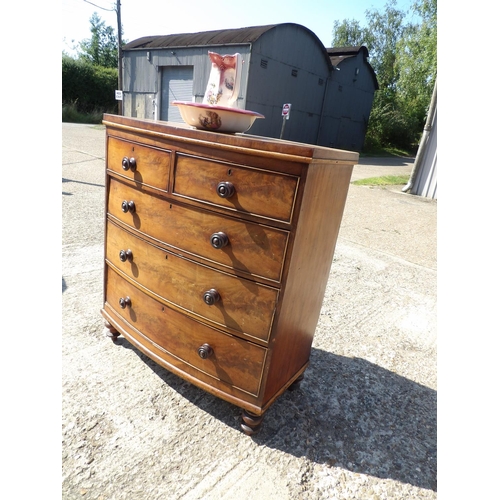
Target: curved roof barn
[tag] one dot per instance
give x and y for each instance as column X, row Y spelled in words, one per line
column 235, row 36
column 339, row 54
column 285, row 63
column 215, row 37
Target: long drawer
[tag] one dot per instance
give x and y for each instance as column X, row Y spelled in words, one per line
column 232, row 303
column 250, row 248
column 236, row 362
column 243, row 189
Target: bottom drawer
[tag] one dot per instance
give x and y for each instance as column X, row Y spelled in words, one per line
column 236, row 362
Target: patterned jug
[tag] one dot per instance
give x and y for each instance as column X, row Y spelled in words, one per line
column 224, row 81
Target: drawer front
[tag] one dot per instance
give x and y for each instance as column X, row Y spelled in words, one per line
column 232, row 303
column 244, row 189
column 234, row 361
column 142, row 164
column 251, row 248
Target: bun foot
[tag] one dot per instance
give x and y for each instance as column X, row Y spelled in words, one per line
column 111, row 332
column 251, row 423
column 296, row 383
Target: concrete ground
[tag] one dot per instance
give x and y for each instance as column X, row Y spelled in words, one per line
column 363, row 423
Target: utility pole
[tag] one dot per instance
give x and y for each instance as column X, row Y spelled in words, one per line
column 120, row 70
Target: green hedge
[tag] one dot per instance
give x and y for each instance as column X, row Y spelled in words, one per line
column 88, row 87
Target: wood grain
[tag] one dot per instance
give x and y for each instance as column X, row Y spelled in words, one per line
column 266, row 286
column 253, row 249
column 257, row 191
column 244, row 308
column 234, row 361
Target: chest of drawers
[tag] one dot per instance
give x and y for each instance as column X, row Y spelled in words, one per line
column 218, row 249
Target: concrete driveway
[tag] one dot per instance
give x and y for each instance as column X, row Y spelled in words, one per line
column 363, row 423
column 375, row 167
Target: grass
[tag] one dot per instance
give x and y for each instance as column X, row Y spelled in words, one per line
column 384, row 180
column 71, row 114
column 388, row 151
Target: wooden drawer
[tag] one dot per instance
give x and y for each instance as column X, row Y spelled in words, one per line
column 239, row 305
column 253, row 249
column 151, row 165
column 259, row 192
column 236, row 362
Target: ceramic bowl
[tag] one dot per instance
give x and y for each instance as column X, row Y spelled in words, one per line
column 216, row 118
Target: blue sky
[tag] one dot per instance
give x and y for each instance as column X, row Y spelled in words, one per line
column 163, row 17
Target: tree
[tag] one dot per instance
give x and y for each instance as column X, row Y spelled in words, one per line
column 347, row 33
column 384, row 31
column 404, row 58
column 417, row 61
column 102, row 48
column 88, row 88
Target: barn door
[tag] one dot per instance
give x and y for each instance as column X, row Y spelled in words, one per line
column 176, row 85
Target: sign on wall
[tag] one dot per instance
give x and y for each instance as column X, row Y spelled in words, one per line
column 286, row 111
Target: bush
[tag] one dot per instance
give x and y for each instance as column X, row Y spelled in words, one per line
column 88, row 89
column 70, row 114
column 391, row 126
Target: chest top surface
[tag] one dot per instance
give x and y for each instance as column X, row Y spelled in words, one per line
column 244, row 143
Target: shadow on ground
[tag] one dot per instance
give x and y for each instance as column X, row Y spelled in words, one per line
column 347, row 413
column 391, row 161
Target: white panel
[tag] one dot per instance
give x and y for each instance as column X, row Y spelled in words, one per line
column 426, row 179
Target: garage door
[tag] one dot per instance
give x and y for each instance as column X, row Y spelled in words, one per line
column 176, row 85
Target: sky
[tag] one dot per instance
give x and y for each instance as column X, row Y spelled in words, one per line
column 162, row 17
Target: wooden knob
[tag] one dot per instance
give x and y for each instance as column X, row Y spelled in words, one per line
column 219, row 240
column 124, row 302
column 211, row 296
column 129, row 163
column 128, row 206
column 126, row 255
column 225, row 189
column 205, row 351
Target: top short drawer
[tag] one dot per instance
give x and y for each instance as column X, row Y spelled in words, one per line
column 244, row 189
column 143, row 164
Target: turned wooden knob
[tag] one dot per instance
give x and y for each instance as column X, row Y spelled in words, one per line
column 124, row 302
column 205, row 351
column 225, row 189
column 129, row 163
column 211, row 297
column 219, row 240
column 128, row 206
column 126, row 255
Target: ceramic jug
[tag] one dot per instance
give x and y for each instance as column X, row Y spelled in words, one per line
column 224, row 80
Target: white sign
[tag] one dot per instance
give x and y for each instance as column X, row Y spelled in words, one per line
column 119, row 95
column 286, row 111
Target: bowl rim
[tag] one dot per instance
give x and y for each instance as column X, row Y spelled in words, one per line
column 221, row 108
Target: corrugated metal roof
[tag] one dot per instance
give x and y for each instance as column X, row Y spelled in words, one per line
column 347, row 50
column 216, row 37
column 339, row 54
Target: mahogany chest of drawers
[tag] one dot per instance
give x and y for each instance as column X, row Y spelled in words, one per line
column 218, row 249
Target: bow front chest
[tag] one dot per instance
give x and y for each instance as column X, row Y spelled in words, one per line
column 218, row 249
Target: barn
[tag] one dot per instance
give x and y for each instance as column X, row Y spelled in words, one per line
column 330, row 90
